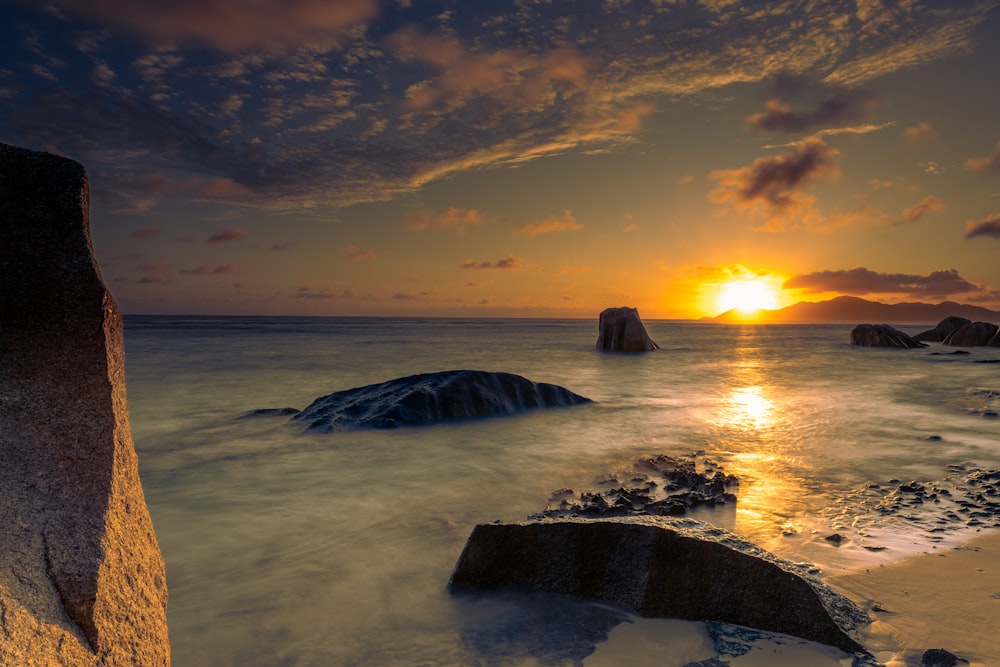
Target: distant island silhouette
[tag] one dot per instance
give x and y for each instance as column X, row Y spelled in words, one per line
column 852, row 309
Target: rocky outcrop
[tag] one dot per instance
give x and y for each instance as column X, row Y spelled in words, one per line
column 82, row 581
column 430, row 398
column 944, row 328
column 659, row 567
column 882, row 335
column 975, row 334
column 621, row 330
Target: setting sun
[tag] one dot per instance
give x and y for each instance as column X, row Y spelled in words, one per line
column 748, row 295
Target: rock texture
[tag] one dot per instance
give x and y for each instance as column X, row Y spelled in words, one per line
column 659, row 567
column 82, row 580
column 621, row 330
column 882, row 335
column 975, row 334
column 430, row 398
column 944, row 328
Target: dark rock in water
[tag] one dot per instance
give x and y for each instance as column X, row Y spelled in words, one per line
column 882, row 335
column 657, row 486
column 430, row 398
column 621, row 330
column 659, row 567
column 836, row 539
column 973, row 335
column 944, row 328
column 938, row 657
column 82, row 581
column 269, row 412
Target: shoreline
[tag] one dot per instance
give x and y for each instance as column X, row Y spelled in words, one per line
column 942, row 598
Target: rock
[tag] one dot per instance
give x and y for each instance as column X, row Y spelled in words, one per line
column 269, row 412
column 82, row 581
column 882, row 335
column 659, row 567
column 938, row 657
column 979, row 333
column 944, row 328
column 621, row 330
column 430, row 398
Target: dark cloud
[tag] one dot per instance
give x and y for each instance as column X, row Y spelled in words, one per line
column 834, row 108
column 144, row 233
column 322, row 294
column 988, row 226
column 771, row 188
column 504, row 264
column 225, row 235
column 153, row 273
column 986, row 165
column 861, row 281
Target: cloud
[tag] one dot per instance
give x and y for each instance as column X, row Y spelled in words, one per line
column 204, row 270
column 921, row 134
column 322, row 294
column 861, row 281
column 225, row 235
column 506, row 263
column 230, row 25
column 771, row 188
column 988, row 226
column 356, row 254
column 280, row 247
column 985, row 165
column 144, row 233
column 839, row 107
column 926, row 205
column 553, row 223
column 153, row 273
column 455, row 220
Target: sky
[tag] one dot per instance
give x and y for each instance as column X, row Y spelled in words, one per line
column 522, row 158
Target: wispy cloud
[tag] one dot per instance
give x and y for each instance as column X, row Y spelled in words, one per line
column 838, row 107
column 987, row 165
column 921, row 134
column 205, row 270
column 226, row 235
column 356, row 254
column 452, row 219
column 144, row 233
column 548, row 225
column 919, row 210
column 507, row 263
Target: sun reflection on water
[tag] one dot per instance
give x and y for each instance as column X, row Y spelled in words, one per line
column 748, row 408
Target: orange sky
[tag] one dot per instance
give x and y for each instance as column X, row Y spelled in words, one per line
column 519, row 159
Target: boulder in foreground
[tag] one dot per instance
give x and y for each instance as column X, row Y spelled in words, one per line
column 82, row 581
column 429, row 398
column 975, row 334
column 944, row 328
column 621, row 330
column 659, row 567
column 882, row 335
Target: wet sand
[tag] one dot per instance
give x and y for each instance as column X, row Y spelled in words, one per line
column 944, row 598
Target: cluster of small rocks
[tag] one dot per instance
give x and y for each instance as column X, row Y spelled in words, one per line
column 657, row 486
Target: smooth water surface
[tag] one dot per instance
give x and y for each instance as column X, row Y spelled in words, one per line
column 285, row 548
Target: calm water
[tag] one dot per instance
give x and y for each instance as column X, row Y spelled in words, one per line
column 284, row 548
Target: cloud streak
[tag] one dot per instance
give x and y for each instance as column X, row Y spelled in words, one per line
column 988, row 226
column 549, row 225
column 985, row 165
column 508, row 263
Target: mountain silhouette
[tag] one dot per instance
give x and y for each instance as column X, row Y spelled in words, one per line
column 854, row 310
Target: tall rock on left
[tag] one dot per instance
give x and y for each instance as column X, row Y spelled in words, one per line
column 82, row 581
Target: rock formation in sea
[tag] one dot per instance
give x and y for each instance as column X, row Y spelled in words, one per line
column 944, row 328
column 430, row 398
column 82, row 581
column 975, row 334
column 659, row 567
column 882, row 335
column 621, row 330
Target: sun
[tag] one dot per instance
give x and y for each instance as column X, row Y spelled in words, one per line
column 748, row 295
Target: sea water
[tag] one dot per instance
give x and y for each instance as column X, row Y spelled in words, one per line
column 290, row 548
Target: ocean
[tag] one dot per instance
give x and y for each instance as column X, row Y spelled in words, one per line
column 292, row 548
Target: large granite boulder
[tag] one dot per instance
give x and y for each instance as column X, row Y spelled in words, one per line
column 882, row 335
column 944, row 328
column 659, row 567
column 82, row 581
column 621, row 330
column 432, row 397
column 976, row 334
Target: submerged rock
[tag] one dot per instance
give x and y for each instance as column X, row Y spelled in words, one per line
column 269, row 412
column 976, row 334
column 429, row 398
column 882, row 335
column 621, row 330
column 659, row 567
column 82, row 581
column 944, row 328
